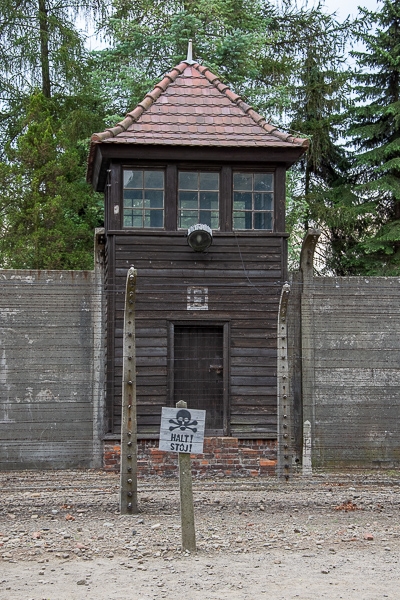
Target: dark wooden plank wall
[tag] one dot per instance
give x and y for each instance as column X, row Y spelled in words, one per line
column 244, row 275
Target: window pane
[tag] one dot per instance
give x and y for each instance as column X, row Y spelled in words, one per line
column 239, row 220
column 209, row 181
column 154, row 179
column 263, row 220
column 133, row 179
column 242, row 200
column 188, row 181
column 153, row 218
column 188, row 200
column 262, row 201
column 153, row 198
column 133, row 198
column 135, row 218
column 209, row 200
column 242, row 181
column 214, row 219
column 263, row 182
column 187, row 219
column 253, row 194
column 205, row 217
column 128, row 221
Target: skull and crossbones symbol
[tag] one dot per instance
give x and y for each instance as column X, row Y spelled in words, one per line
column 183, row 421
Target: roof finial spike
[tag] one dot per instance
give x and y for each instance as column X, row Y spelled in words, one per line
column 190, row 53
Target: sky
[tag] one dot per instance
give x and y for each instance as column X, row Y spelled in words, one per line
column 343, row 8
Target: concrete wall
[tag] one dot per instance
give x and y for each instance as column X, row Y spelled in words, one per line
column 344, row 369
column 349, row 373
column 51, row 374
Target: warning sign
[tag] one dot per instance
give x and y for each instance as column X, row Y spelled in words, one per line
column 182, row 430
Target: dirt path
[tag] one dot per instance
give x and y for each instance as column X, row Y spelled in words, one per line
column 331, row 537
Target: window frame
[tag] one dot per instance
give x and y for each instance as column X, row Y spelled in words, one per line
column 143, row 208
column 198, row 171
column 253, row 210
column 171, row 169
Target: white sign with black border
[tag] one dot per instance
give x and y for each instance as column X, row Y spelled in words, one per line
column 182, row 430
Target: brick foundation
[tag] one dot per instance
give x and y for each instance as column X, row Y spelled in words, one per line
column 223, row 456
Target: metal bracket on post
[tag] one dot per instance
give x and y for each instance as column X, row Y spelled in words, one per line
column 128, row 470
column 284, row 412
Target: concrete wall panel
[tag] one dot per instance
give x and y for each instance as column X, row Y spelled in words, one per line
column 49, row 333
column 351, row 366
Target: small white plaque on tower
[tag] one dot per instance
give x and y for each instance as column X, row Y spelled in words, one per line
column 197, row 298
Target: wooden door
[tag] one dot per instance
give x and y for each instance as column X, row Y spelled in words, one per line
column 199, row 371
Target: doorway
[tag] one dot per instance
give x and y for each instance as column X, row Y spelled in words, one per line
column 200, row 372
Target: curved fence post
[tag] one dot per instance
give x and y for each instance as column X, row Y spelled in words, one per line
column 284, row 421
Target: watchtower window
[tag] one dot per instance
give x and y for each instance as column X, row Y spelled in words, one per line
column 253, row 201
column 198, row 199
column 143, row 198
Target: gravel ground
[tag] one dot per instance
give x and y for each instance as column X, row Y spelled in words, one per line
column 330, row 536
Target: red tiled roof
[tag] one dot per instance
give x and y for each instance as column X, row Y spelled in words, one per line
column 192, row 107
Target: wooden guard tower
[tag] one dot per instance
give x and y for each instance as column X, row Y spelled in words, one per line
column 192, row 157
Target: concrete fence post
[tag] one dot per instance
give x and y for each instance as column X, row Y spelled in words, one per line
column 128, row 470
column 284, row 413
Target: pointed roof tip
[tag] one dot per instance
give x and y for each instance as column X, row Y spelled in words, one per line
column 189, row 58
column 197, row 109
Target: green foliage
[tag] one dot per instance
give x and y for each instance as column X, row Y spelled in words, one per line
column 297, row 210
column 47, row 211
column 289, row 63
column 41, row 45
column 236, row 39
column 320, row 96
column 375, row 128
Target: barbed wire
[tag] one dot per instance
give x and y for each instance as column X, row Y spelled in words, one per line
column 50, row 330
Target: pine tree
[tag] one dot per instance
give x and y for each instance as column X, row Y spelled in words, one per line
column 375, row 127
column 41, row 46
column 320, row 95
column 47, row 211
column 236, row 39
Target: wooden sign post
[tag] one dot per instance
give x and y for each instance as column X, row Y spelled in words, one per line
column 182, row 431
